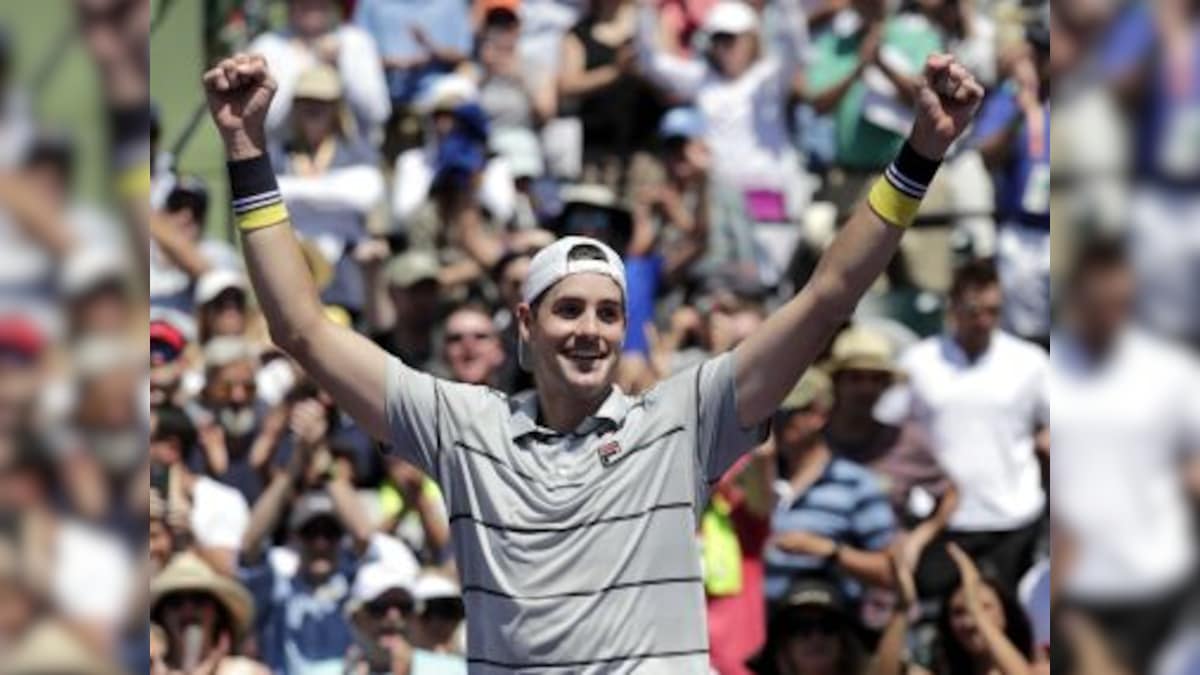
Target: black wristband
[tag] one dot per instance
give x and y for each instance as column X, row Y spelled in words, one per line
column 916, row 167
column 130, row 123
column 251, row 177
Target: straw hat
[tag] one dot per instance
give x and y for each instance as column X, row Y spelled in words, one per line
column 861, row 349
column 187, row 572
column 50, row 648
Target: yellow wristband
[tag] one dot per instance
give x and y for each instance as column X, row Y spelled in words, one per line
column 134, row 182
column 892, row 205
column 265, row 216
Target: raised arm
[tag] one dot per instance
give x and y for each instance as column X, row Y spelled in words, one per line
column 675, row 74
column 349, row 366
column 771, row 361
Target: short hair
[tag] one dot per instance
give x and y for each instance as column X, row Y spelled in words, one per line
column 1097, row 255
column 173, row 423
column 972, row 275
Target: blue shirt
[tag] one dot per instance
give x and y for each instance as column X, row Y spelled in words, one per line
column 1023, row 183
column 447, row 23
column 302, row 630
column 846, row 504
column 642, row 280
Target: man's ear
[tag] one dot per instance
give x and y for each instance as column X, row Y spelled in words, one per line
column 524, row 321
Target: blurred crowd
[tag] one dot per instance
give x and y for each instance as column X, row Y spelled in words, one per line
column 897, row 521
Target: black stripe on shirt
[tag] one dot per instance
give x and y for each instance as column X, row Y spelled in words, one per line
column 570, row 528
column 590, row 662
column 625, row 585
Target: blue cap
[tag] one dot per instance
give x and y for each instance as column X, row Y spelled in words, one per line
column 682, row 122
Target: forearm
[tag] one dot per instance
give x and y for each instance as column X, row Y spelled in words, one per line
column 870, row 567
column 34, row 216
column 1006, row 657
column 177, row 247
column 828, row 99
column 584, row 82
column 889, row 654
column 265, row 515
column 350, row 511
column 757, row 480
column 437, row 530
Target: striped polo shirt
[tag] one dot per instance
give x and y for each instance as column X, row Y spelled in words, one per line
column 577, row 550
column 846, row 504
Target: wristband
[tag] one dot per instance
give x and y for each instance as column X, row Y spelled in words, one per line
column 256, row 200
column 896, row 197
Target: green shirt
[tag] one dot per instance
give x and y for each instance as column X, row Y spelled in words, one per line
column 861, row 144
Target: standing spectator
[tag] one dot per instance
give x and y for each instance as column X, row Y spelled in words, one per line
column 980, row 396
column 471, row 346
column 172, row 277
column 743, row 94
column 418, row 40
column 865, row 72
column 832, row 519
column 440, row 614
column 204, row 615
column 512, row 99
column 404, row 307
column 330, row 181
column 315, row 36
column 1012, row 134
column 599, row 84
column 812, row 632
column 1120, row 485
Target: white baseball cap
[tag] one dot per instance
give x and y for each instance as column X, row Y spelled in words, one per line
column 553, row 263
column 86, row 270
column 376, row 578
column 217, row 281
column 731, row 16
column 434, row 586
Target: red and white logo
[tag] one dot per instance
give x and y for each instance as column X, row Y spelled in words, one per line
column 609, row 452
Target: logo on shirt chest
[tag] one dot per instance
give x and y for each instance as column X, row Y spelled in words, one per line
column 609, row 453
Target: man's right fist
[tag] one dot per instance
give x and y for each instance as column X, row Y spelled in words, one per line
column 239, row 91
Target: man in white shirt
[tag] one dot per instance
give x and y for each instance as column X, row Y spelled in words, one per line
column 1126, row 433
column 980, row 395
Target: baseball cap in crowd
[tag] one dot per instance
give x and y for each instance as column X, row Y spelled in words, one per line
column 215, row 282
column 378, row 579
column 731, row 16
column 91, row 269
column 319, row 83
column 807, row 594
column 310, row 507
column 438, row 595
column 167, row 342
column 813, row 387
column 411, row 268
column 446, row 92
column 226, row 349
column 682, row 122
column 188, row 573
column 861, row 349
column 521, row 149
column 21, row 339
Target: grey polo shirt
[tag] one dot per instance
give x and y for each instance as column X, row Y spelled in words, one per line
column 577, row 551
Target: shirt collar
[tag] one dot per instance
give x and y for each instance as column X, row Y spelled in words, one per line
column 524, row 406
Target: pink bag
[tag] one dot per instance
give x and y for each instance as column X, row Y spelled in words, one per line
column 766, row 206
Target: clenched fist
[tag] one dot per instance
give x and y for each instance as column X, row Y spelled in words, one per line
column 239, row 91
column 946, row 103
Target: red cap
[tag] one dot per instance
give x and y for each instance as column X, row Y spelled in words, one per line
column 21, row 335
column 168, row 334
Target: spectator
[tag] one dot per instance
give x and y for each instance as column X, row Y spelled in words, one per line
column 98, row 293
column 983, row 628
column 512, row 99
column 205, row 616
column 315, row 36
column 417, row 169
column 832, row 518
column 383, row 617
column 743, row 94
column 167, row 363
column 471, row 346
column 417, row 42
column 415, row 512
column 970, row 35
column 734, row 530
column 222, row 305
column 1012, row 134
column 522, row 150
column 510, row 274
column 980, row 396
column 404, row 307
column 598, row 83
column 330, row 181
column 680, row 23
column 811, row 633
column 179, row 251
column 865, row 71
column 1130, row 545
column 24, row 366
column 439, row 616
column 18, row 599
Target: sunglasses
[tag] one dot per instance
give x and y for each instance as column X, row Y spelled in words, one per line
column 379, row 607
column 322, row 528
column 450, row 609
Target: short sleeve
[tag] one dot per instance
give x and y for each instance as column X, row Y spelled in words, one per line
column 220, row 515
column 424, row 411
column 873, row 522
column 721, row 438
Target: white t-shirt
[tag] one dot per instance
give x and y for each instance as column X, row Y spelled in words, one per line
column 220, row 514
column 981, row 418
column 1119, row 431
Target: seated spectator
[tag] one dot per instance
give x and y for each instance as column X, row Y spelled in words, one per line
column 222, row 302
column 865, row 72
column 167, row 363
column 471, row 346
column 383, row 609
column 832, row 518
column 744, row 94
column 1012, row 133
column 330, row 181
column 598, row 83
column 99, row 296
column 205, row 617
column 439, row 616
column 315, row 35
column 417, row 41
column 511, row 98
column 812, row 632
column 175, row 266
column 404, row 307
column 417, row 169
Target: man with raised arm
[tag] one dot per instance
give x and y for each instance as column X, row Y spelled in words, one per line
column 573, row 507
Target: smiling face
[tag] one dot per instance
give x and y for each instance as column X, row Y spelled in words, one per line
column 472, row 346
column 966, row 632
column 575, row 335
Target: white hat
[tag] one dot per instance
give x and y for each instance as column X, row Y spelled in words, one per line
column 217, row 281
column 434, row 586
column 376, row 578
column 447, row 91
column 87, row 269
column 553, row 263
column 731, row 16
column 226, row 349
